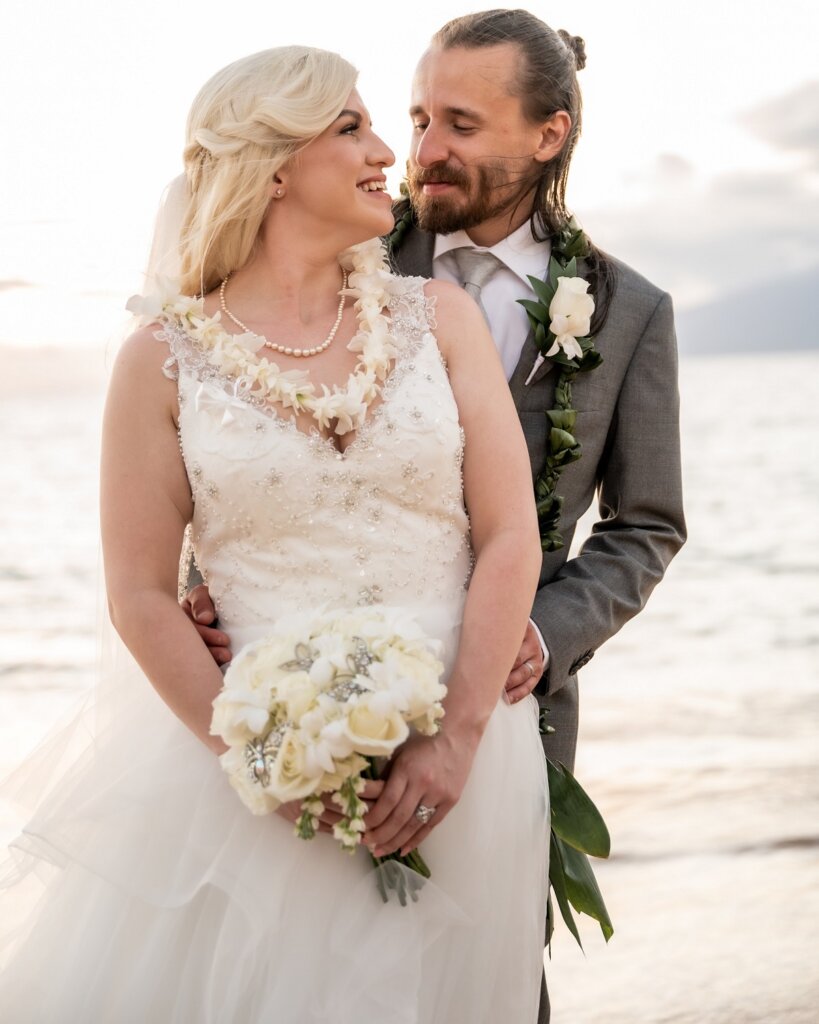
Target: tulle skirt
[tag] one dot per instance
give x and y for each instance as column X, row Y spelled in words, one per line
column 143, row 890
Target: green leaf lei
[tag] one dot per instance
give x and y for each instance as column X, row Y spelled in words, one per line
column 577, row 827
column 563, row 446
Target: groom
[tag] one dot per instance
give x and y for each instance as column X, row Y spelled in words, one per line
column 496, row 115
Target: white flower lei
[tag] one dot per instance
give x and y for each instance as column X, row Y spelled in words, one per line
column 236, row 355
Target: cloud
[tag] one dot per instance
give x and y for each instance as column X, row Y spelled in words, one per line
column 789, row 122
column 703, row 238
column 10, row 283
column 698, row 239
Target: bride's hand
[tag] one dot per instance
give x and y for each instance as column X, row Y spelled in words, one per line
column 330, row 817
column 426, row 770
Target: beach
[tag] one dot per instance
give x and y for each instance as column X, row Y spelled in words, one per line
column 699, row 720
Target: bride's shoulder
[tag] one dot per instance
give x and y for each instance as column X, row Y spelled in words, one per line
column 457, row 317
column 447, row 295
column 145, row 345
column 142, row 358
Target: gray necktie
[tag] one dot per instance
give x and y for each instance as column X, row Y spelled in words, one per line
column 475, row 268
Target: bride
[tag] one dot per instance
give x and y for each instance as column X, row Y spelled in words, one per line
column 323, row 426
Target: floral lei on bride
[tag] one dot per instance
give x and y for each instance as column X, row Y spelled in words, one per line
column 370, row 284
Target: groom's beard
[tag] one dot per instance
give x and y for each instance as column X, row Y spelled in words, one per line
column 484, row 193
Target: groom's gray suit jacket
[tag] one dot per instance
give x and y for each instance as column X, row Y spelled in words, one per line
column 628, row 425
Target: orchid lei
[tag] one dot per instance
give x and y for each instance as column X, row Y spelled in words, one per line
column 235, row 355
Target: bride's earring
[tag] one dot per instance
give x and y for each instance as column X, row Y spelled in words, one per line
column 279, row 193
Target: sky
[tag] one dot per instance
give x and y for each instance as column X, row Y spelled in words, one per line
column 699, row 162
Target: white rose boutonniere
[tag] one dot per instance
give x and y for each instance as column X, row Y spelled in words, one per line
column 571, row 312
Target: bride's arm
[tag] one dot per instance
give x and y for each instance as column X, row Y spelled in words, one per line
column 498, row 494
column 145, row 505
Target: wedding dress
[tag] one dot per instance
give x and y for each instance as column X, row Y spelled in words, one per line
column 163, row 898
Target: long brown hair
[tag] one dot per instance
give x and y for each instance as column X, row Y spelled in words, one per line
column 546, row 83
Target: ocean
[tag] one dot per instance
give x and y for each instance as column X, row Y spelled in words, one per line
column 700, row 720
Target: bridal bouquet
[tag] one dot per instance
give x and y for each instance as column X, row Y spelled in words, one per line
column 308, row 709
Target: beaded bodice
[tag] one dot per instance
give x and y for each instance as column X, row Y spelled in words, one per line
column 285, row 522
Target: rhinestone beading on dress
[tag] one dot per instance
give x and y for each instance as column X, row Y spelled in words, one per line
column 382, row 522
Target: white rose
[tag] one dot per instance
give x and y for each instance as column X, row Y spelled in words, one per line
column 374, row 733
column 288, row 777
column 413, row 681
column 571, row 310
column 354, row 765
column 298, row 694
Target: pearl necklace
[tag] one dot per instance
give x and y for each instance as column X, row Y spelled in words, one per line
column 288, row 350
column 341, row 407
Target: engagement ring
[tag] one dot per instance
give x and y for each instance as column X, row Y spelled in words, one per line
column 423, row 813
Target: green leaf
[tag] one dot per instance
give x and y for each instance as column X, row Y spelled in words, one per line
column 563, row 418
column 562, row 359
column 590, row 361
column 544, row 290
column 576, row 244
column 557, row 879
column 555, row 273
column 567, row 457
column 561, row 440
column 540, row 336
column 570, row 270
column 574, row 816
column 582, row 889
column 536, row 310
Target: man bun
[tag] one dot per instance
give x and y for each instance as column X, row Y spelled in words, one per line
column 578, row 47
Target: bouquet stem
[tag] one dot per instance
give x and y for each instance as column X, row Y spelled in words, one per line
column 387, row 876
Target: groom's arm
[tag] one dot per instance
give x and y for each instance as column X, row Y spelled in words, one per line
column 641, row 525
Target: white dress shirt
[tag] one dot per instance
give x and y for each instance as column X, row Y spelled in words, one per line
column 520, row 255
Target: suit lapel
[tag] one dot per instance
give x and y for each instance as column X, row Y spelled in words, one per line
column 414, row 257
column 528, row 357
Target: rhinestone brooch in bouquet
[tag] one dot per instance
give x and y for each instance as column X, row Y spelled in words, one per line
column 317, row 706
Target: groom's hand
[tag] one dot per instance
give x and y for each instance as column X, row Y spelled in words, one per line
column 199, row 609
column 528, row 668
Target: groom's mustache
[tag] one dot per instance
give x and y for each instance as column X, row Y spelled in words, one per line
column 436, row 175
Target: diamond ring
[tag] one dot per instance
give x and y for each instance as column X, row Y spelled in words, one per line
column 424, row 813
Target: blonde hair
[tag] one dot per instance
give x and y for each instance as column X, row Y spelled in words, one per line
column 245, row 124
